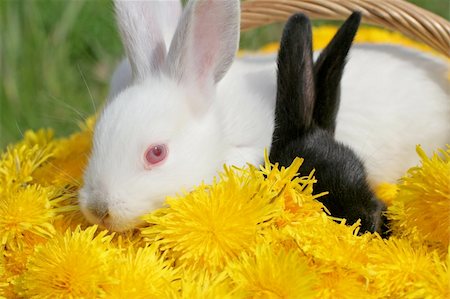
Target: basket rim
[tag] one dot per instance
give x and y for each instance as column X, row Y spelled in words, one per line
column 396, row 15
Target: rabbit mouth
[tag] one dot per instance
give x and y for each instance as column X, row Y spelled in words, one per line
column 110, row 217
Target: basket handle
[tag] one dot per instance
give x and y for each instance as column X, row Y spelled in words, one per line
column 397, row 15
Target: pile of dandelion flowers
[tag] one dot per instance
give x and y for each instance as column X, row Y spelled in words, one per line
column 213, row 224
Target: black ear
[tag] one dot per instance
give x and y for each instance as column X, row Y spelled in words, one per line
column 295, row 81
column 328, row 71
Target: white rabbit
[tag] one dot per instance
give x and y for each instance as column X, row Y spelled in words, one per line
column 194, row 110
column 180, row 119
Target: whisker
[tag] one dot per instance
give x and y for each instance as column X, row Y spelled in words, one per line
column 73, row 179
column 87, row 87
column 61, row 120
column 81, row 115
column 18, row 128
column 103, row 216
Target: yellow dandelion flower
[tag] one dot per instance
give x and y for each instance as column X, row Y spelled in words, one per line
column 213, row 224
column 15, row 260
column 141, row 273
column 400, row 269
column 24, row 212
column 18, row 163
column 423, row 202
column 201, row 284
column 72, row 265
column 270, row 273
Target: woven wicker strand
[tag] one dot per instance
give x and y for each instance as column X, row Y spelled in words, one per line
column 396, row 15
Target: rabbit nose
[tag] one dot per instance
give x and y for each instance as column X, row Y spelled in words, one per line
column 99, row 209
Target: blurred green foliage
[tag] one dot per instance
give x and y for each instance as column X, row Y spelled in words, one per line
column 57, row 57
column 49, row 48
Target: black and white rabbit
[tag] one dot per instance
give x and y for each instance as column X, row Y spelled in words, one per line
column 308, row 96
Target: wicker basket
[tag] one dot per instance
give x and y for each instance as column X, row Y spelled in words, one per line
column 396, row 15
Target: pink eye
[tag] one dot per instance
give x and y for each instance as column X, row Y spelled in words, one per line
column 156, row 153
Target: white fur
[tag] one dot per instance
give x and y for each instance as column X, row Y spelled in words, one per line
column 392, row 98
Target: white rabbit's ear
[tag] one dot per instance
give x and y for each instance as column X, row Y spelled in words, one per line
column 145, row 27
column 205, row 43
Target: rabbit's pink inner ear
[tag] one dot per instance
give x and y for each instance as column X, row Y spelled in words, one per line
column 215, row 37
column 205, row 42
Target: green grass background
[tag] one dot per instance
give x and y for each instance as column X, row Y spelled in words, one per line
column 57, row 57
